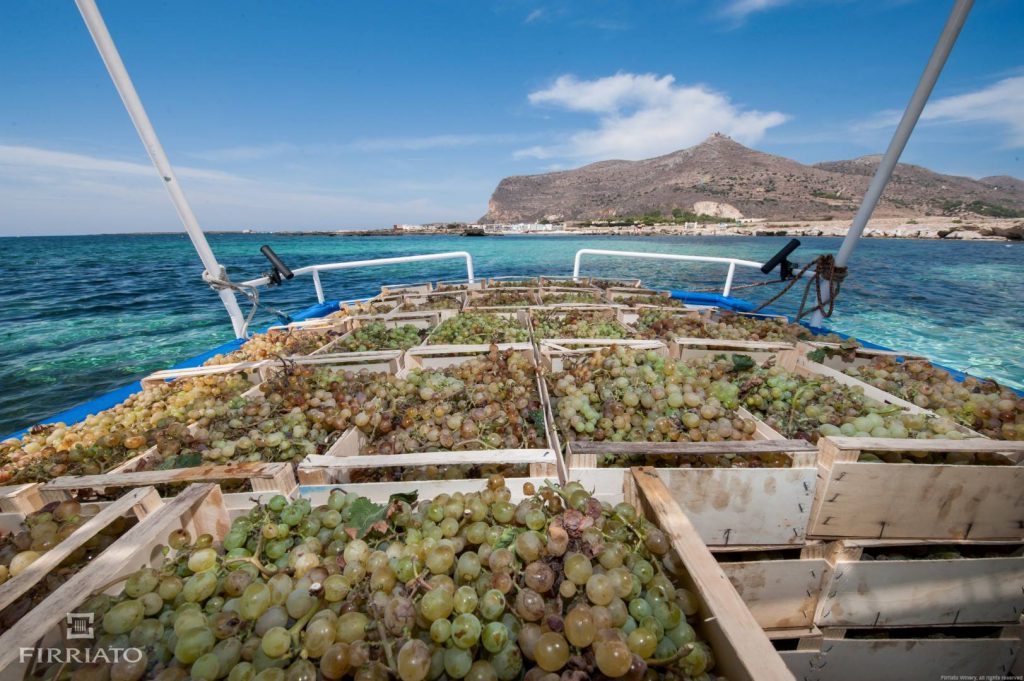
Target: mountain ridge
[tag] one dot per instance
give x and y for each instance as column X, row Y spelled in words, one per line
column 756, row 183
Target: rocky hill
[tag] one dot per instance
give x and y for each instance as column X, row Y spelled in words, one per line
column 759, row 185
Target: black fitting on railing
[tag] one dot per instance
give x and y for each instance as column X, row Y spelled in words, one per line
column 280, row 271
column 780, row 259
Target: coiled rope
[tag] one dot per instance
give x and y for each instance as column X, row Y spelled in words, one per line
column 825, row 268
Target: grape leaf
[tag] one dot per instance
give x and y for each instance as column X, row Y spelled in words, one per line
column 361, row 516
column 817, row 355
column 507, row 537
column 190, row 460
column 364, row 516
column 742, row 362
column 537, row 417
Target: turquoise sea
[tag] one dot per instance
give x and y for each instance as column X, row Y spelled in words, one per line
column 83, row 315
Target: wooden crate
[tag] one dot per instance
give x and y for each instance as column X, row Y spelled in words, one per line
column 563, row 310
column 200, row 509
column 140, row 502
column 393, row 320
column 251, row 369
column 553, row 351
column 850, row 357
column 399, row 289
column 389, row 361
column 459, row 285
column 513, row 281
column 741, row 649
column 591, row 282
column 831, row 657
column 343, row 457
column 865, row 500
column 631, row 315
column 782, row 592
column 478, row 301
column 549, row 295
column 412, row 302
column 923, row 591
column 733, row 508
column 517, row 315
column 697, row 348
column 796, row 361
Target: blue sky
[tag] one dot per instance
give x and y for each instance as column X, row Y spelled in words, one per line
column 289, row 115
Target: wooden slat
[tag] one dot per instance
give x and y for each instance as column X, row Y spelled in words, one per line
column 781, row 594
column 444, row 458
column 739, row 447
column 744, row 506
column 891, row 444
column 200, row 506
column 904, row 660
column 14, row 587
column 231, row 471
column 741, row 648
column 891, row 593
column 893, row 501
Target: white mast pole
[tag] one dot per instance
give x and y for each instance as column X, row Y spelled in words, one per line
column 123, row 83
column 957, row 17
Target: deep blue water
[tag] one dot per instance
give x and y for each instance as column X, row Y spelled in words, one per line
column 83, row 315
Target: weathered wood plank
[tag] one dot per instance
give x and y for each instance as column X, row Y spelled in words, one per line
column 781, row 594
column 890, row 593
column 904, row 659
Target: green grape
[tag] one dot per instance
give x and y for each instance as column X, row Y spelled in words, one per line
column 206, row 668
column 202, row 560
column 199, row 586
column 194, row 643
column 465, row 599
column 276, row 642
column 413, row 661
column 336, row 662
column 436, row 604
column 466, row 630
column 457, row 662
column 123, row 617
column 440, row 630
column 254, row 601
column 492, row 604
column 551, row 651
column 494, row 637
column 613, row 658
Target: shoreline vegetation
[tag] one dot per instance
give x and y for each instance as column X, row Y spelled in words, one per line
column 925, row 227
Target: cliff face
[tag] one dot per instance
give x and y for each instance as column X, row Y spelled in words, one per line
column 761, row 185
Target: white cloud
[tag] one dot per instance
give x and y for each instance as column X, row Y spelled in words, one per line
column 54, row 192
column 741, row 9
column 536, row 14
column 643, row 115
column 247, row 153
column 1001, row 103
column 33, row 157
column 431, row 142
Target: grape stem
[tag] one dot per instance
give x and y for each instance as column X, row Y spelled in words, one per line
column 678, row 655
column 387, row 645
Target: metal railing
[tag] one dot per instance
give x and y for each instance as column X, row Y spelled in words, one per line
column 315, row 270
column 732, row 262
